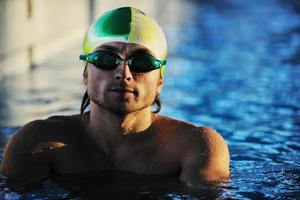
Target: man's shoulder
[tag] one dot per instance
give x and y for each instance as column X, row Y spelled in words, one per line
column 28, row 151
column 204, row 153
column 65, row 119
column 172, row 122
column 53, row 126
column 191, row 134
column 183, row 126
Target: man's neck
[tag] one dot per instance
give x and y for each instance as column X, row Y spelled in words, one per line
column 109, row 128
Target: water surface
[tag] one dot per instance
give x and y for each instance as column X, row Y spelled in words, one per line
column 233, row 65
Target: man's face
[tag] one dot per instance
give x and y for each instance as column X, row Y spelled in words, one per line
column 120, row 90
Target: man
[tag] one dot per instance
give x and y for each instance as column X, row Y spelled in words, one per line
column 125, row 54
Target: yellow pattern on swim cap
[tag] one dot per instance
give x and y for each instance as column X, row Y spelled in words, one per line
column 128, row 25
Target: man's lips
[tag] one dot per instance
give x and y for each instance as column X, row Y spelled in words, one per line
column 122, row 90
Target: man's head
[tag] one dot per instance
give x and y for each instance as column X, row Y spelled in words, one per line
column 125, row 52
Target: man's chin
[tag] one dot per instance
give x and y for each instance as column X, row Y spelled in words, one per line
column 118, row 108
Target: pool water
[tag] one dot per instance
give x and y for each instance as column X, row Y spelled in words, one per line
column 233, row 65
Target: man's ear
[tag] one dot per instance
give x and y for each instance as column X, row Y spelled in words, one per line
column 159, row 86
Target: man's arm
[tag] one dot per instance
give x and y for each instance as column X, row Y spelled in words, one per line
column 206, row 158
column 21, row 163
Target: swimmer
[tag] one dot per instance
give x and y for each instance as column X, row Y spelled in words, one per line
column 124, row 55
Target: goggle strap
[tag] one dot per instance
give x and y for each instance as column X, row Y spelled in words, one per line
column 82, row 57
column 160, row 63
column 88, row 57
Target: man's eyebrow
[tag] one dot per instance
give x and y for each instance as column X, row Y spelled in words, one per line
column 108, row 48
column 140, row 51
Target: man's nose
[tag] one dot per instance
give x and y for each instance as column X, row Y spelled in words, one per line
column 123, row 72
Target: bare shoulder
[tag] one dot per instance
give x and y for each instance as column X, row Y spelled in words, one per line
column 192, row 134
column 171, row 123
column 51, row 129
column 204, row 155
column 26, row 155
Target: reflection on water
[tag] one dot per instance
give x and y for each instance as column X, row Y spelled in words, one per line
column 233, row 66
column 114, row 187
column 55, row 87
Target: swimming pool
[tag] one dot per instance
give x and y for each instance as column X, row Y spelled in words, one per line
column 233, row 66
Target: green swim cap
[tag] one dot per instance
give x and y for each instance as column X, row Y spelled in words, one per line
column 128, row 25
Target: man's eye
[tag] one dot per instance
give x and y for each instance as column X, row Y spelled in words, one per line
column 108, row 59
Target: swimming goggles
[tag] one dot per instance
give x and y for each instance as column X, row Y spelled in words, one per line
column 107, row 60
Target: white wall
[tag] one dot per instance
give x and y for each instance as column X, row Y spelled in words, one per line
column 33, row 30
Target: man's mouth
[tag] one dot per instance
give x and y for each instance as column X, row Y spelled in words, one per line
column 122, row 90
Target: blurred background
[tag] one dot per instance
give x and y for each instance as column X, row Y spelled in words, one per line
column 40, row 43
column 233, row 65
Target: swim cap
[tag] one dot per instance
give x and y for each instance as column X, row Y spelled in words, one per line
column 128, row 25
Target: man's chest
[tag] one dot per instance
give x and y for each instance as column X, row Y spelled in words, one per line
column 149, row 159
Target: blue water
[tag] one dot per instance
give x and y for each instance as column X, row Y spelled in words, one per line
column 233, row 65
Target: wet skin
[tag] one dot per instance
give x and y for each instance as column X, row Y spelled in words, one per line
column 119, row 133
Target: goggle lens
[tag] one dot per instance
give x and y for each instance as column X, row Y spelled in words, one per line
column 106, row 62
